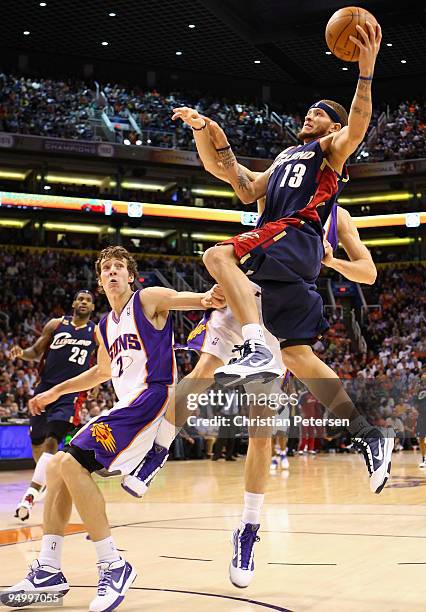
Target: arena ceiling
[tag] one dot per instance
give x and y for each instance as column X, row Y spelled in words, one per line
column 266, row 40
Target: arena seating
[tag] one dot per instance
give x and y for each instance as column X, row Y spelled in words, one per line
column 65, row 109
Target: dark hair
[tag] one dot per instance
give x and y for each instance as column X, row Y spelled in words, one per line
column 340, row 110
column 117, row 252
column 83, row 291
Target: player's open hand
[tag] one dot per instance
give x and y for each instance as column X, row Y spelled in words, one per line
column 189, row 116
column 369, row 45
column 38, row 403
column 327, row 260
column 16, row 352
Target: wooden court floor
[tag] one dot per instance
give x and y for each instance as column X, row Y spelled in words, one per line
column 327, row 543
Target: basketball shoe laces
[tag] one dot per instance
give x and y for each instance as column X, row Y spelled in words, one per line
column 364, row 447
column 247, row 540
column 104, row 580
column 244, row 350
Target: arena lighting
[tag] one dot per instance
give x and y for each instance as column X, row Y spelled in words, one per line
column 218, row 193
column 388, row 242
column 396, row 196
column 73, row 227
column 211, row 237
column 11, row 199
column 144, row 186
column 72, row 180
column 13, row 223
column 386, row 220
column 9, row 174
column 148, row 233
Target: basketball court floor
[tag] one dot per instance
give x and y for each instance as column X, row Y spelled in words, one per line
column 327, row 543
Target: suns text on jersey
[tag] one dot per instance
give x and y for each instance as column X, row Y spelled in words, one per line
column 123, row 343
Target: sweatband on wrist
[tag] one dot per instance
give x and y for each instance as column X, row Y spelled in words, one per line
column 201, row 128
column 223, row 148
column 365, row 78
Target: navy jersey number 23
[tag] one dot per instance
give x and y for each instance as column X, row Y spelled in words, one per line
column 69, row 353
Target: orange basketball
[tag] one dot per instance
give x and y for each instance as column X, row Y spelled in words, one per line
column 341, row 25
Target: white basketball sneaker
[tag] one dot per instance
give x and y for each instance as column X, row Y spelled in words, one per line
column 256, row 364
column 40, row 579
column 241, row 568
column 115, row 580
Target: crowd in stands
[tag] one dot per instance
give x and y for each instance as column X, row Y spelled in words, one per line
column 64, row 108
column 401, row 136
column 383, row 380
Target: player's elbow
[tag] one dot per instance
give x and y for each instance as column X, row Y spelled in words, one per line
column 370, row 275
column 247, row 198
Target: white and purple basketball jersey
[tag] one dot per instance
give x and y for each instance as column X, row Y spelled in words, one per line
column 141, row 355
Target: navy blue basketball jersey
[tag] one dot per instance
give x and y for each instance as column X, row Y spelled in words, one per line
column 68, row 354
column 420, row 402
column 302, row 184
column 330, row 228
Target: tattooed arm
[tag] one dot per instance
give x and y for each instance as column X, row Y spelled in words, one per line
column 247, row 190
column 346, row 141
column 247, row 186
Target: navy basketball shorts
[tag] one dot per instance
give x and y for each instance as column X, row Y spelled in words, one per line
column 56, row 421
column 421, row 427
column 284, row 258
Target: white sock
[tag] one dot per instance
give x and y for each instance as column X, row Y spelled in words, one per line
column 106, row 550
column 253, row 331
column 51, row 550
column 39, row 476
column 253, row 503
column 166, row 433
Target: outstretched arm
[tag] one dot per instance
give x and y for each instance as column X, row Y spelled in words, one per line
column 360, row 268
column 346, row 141
column 36, row 351
column 230, row 170
column 159, row 300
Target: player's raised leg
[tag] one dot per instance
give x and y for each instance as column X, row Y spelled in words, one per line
column 325, row 385
column 257, row 362
column 196, row 381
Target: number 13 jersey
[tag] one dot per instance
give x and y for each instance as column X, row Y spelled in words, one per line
column 302, row 184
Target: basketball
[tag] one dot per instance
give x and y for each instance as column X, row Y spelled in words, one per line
column 341, row 26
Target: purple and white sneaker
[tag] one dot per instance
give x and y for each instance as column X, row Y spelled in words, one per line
column 138, row 481
column 41, row 579
column 256, row 364
column 115, row 580
column 241, row 568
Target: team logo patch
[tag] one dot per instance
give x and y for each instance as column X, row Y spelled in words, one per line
column 103, row 434
column 201, row 327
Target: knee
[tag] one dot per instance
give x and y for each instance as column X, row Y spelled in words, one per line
column 67, row 464
column 213, row 257
column 53, row 467
column 51, row 445
column 294, row 357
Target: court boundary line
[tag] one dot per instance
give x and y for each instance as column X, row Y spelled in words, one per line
column 185, row 592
